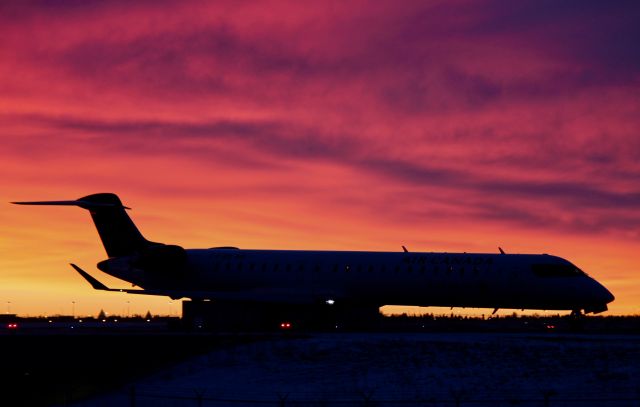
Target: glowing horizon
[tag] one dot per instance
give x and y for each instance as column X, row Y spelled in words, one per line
column 344, row 126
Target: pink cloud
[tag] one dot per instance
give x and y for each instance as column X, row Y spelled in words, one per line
column 480, row 115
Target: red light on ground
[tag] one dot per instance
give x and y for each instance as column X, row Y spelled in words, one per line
column 12, row 326
column 551, row 327
column 285, row 325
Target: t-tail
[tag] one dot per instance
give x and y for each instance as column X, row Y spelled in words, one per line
column 118, row 233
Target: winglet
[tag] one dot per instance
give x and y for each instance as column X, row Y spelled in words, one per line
column 405, row 249
column 501, row 251
column 94, row 283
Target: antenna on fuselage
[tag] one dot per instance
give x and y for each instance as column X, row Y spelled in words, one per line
column 501, row 251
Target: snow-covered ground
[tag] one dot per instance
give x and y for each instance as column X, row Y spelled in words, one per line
column 401, row 369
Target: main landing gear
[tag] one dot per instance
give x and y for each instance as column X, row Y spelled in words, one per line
column 576, row 314
column 576, row 321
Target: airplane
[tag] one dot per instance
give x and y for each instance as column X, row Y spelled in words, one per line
column 352, row 279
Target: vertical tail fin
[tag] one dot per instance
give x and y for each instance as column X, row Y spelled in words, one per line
column 118, row 233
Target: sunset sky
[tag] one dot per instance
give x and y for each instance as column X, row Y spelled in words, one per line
column 442, row 126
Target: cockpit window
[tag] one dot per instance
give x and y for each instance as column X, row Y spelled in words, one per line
column 556, row 270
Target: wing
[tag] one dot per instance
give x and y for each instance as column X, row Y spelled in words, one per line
column 99, row 286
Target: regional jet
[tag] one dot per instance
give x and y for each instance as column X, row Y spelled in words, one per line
column 297, row 278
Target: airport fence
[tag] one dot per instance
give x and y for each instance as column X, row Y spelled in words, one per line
column 203, row 397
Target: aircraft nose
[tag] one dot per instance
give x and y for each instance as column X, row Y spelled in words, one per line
column 603, row 295
column 608, row 297
column 599, row 297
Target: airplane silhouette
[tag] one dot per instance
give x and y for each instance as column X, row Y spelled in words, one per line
column 294, row 278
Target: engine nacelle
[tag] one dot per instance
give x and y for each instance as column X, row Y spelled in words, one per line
column 161, row 260
column 151, row 267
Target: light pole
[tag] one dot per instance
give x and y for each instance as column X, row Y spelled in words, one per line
column 73, row 309
column 8, row 307
column 128, row 310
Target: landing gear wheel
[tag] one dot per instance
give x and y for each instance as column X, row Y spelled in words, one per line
column 576, row 321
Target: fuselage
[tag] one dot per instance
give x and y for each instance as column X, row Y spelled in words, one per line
column 518, row 281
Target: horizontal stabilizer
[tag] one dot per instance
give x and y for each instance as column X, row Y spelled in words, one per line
column 118, row 233
column 78, row 202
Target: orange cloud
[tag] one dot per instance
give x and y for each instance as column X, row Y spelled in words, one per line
column 351, row 126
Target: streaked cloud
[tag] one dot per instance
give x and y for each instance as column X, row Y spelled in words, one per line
column 483, row 115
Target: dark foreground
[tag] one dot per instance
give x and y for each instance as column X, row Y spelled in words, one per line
column 400, row 369
column 432, row 360
column 57, row 368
